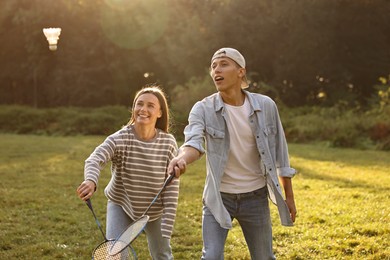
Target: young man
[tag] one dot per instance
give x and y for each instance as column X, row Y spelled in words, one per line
column 246, row 156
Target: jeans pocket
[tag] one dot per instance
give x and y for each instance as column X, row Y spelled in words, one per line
column 261, row 193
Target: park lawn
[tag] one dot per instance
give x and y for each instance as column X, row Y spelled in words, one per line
column 342, row 197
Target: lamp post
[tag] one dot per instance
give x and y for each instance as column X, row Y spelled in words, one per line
column 52, row 36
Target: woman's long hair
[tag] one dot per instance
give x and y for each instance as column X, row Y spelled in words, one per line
column 162, row 122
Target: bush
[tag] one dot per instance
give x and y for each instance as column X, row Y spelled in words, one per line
column 184, row 97
column 337, row 126
column 62, row 121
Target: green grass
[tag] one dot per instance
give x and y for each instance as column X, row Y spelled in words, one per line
column 342, row 196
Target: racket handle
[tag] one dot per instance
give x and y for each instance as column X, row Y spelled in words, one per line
column 169, row 179
column 89, row 204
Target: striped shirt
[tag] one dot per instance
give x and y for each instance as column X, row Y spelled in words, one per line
column 138, row 172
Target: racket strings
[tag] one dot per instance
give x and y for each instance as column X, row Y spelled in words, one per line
column 128, row 236
column 102, row 251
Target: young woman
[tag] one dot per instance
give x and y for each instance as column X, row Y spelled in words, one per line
column 139, row 153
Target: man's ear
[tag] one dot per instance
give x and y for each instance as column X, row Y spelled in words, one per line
column 242, row 72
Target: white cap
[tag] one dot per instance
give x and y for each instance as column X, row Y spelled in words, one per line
column 234, row 55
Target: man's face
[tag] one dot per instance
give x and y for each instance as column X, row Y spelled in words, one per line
column 226, row 74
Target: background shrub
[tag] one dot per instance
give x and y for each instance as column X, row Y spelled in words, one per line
column 62, row 121
column 336, row 126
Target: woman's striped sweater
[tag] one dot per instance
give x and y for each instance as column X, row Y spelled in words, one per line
column 138, row 172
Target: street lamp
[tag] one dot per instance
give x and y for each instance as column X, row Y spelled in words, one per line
column 52, row 36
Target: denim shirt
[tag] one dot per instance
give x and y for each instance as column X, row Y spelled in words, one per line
column 207, row 124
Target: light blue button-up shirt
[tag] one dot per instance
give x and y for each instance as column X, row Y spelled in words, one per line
column 207, row 124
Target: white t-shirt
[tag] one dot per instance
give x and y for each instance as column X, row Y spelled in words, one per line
column 243, row 172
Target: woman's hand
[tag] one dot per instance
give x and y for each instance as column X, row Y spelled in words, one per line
column 86, row 190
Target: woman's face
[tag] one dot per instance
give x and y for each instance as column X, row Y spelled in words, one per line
column 147, row 110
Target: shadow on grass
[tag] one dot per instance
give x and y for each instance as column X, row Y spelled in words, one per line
column 341, row 182
column 345, row 168
column 345, row 156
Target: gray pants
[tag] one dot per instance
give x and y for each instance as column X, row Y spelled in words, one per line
column 251, row 209
column 118, row 220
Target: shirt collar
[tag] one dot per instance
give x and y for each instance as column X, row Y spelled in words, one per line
column 254, row 104
column 218, row 105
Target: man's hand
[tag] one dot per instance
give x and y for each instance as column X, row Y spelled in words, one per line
column 186, row 156
column 177, row 165
column 291, row 206
column 288, row 190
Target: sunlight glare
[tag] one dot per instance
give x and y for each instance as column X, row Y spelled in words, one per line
column 134, row 24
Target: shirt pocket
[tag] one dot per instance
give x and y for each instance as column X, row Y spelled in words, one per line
column 270, row 134
column 270, row 130
column 215, row 140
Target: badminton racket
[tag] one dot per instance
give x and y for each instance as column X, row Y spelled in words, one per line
column 101, row 251
column 133, row 230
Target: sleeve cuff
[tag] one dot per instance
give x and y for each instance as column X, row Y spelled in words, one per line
column 195, row 146
column 94, row 181
column 286, row 172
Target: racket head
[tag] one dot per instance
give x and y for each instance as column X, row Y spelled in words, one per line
column 128, row 235
column 101, row 252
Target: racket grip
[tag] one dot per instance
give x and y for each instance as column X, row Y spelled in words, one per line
column 170, row 178
column 89, row 204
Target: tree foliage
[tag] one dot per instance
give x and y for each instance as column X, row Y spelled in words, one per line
column 310, row 51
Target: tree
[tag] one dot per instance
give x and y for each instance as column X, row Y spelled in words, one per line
column 310, row 51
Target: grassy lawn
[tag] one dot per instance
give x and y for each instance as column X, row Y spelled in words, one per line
column 342, row 197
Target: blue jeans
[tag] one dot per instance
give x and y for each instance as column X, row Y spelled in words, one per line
column 252, row 213
column 118, row 220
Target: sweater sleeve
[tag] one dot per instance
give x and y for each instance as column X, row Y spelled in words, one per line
column 170, row 200
column 98, row 159
column 170, row 197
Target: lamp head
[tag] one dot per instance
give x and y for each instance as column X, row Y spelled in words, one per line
column 52, row 36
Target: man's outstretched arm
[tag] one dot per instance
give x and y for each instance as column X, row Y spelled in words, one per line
column 186, row 155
